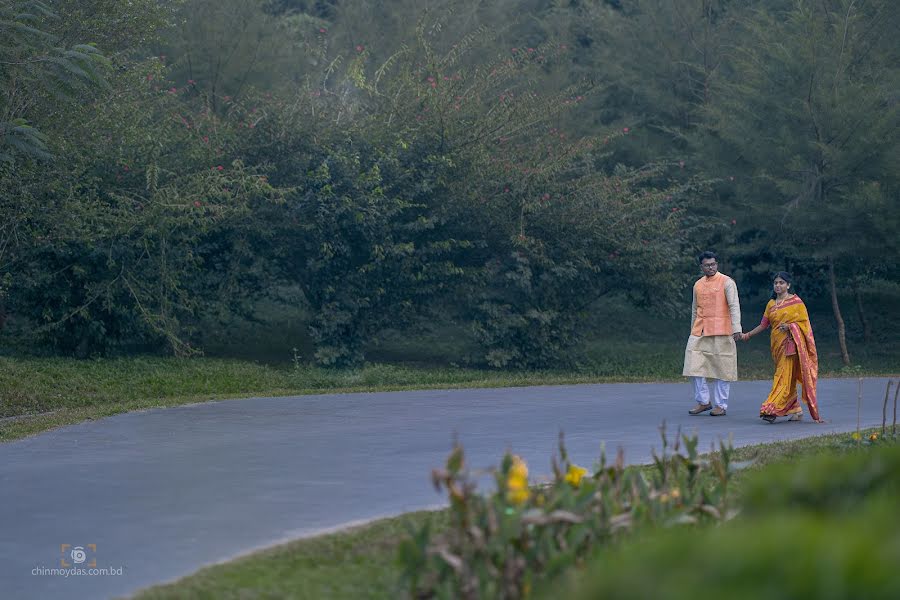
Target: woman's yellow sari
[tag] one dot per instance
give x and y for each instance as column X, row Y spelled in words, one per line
column 796, row 360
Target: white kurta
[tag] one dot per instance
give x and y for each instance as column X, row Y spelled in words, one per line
column 714, row 355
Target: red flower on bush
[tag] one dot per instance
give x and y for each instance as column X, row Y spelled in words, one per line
column 625, row 130
column 220, row 168
column 197, row 203
column 360, row 48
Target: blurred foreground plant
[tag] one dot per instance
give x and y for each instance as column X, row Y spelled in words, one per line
column 498, row 544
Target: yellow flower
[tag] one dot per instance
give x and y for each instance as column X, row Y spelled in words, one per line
column 676, row 493
column 575, row 474
column 855, row 435
column 517, row 490
column 518, row 468
column 873, row 437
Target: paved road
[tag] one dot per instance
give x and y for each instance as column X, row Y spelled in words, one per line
column 163, row 492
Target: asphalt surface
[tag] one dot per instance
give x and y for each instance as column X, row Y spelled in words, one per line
column 161, row 493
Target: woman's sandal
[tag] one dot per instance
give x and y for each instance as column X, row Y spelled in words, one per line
column 768, row 418
column 796, row 417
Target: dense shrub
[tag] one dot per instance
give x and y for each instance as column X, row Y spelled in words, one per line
column 825, row 527
column 498, row 545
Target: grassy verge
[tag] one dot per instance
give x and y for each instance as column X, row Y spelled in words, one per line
column 361, row 562
column 37, row 394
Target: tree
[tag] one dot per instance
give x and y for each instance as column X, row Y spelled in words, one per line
column 811, row 115
column 36, row 72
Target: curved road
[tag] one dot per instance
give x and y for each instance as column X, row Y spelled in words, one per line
column 163, row 492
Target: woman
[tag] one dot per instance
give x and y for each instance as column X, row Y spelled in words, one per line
column 794, row 352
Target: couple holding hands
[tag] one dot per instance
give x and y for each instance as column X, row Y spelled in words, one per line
column 716, row 326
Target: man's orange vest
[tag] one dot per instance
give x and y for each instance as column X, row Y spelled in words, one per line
column 713, row 316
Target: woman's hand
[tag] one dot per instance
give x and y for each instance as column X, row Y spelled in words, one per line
column 745, row 337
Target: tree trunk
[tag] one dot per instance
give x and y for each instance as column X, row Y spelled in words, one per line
column 867, row 331
column 842, row 334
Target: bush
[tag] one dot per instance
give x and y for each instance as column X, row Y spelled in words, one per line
column 824, row 528
column 497, row 545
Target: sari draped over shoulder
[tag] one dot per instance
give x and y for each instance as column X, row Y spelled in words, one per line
column 796, row 359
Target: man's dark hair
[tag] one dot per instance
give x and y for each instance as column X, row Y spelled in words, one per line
column 706, row 255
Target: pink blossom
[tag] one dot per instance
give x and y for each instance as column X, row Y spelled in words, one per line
column 197, row 203
column 625, row 130
column 734, row 221
column 220, row 168
column 323, row 30
column 191, row 82
column 515, row 50
column 360, row 48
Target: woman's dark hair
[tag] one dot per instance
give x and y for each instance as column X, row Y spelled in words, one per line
column 783, row 275
column 707, row 255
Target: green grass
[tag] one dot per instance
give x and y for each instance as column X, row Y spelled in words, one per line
column 357, row 563
column 361, row 562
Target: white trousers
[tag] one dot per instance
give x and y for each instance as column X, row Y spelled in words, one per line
column 720, row 391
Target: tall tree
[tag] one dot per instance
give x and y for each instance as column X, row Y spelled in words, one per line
column 811, row 115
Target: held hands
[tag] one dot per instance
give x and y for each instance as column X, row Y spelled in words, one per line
column 739, row 336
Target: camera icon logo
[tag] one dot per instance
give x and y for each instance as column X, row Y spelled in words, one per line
column 78, row 555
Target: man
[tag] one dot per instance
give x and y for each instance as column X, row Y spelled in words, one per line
column 715, row 327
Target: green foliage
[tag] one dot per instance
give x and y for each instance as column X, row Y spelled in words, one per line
column 38, row 70
column 499, row 545
column 438, row 162
column 808, row 117
column 824, row 527
column 134, row 239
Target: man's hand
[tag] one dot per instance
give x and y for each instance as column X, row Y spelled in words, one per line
column 737, row 336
